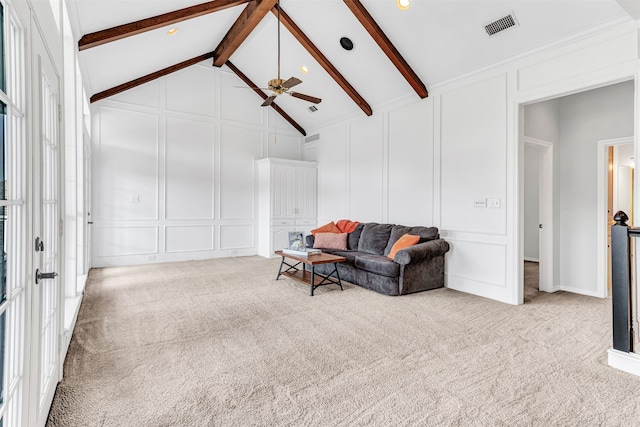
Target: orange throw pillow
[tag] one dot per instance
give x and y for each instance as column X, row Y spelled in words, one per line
column 403, row 242
column 327, row 228
column 346, row 225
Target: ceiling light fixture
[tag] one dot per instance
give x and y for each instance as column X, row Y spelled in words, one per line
column 403, row 4
column 304, row 69
column 172, row 31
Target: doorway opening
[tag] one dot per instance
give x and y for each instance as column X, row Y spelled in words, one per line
column 616, row 167
column 576, row 123
column 538, row 217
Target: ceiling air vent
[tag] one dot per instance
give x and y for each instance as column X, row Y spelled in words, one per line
column 312, row 138
column 313, row 109
column 501, row 24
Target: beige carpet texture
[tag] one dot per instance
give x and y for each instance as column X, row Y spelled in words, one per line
column 222, row 343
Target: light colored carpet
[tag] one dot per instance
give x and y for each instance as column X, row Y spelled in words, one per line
column 222, row 343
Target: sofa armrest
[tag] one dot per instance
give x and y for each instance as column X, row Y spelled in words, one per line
column 421, row 251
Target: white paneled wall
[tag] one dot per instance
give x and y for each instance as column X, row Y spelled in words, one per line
column 237, row 192
column 410, row 182
column 333, row 174
column 427, row 162
column 128, row 142
column 189, row 166
column 175, row 173
column 367, row 171
column 473, row 138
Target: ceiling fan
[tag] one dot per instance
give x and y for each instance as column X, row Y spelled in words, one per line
column 279, row 86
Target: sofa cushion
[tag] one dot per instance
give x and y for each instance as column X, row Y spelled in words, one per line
column 377, row 264
column 374, row 238
column 354, row 237
column 426, row 234
column 349, row 255
column 330, row 241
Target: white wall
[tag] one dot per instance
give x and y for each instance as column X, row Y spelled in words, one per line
column 586, row 118
column 378, row 169
column 542, row 120
column 175, row 172
column 463, row 144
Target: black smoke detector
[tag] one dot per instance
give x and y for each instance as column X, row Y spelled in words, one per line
column 346, row 43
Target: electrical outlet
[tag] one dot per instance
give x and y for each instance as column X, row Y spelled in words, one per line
column 151, row 257
column 494, row 203
column 134, row 198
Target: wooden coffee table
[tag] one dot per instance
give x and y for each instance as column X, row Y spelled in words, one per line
column 300, row 274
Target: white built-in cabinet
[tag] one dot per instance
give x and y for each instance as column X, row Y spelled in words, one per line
column 287, row 201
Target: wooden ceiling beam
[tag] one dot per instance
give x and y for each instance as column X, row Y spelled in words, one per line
column 387, row 47
column 121, row 31
column 240, row 30
column 263, row 95
column 149, row 77
column 322, row 60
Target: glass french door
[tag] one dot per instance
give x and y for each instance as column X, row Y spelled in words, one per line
column 47, row 294
column 13, row 223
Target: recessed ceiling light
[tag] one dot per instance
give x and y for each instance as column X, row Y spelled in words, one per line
column 304, row 69
column 346, row 43
column 172, row 31
column 403, row 4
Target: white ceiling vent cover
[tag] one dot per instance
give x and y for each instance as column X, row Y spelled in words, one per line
column 499, row 25
column 312, row 138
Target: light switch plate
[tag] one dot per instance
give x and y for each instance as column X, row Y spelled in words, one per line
column 480, row 203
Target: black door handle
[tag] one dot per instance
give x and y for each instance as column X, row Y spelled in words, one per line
column 40, row 276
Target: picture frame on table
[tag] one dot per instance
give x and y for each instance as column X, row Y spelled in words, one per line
column 296, row 241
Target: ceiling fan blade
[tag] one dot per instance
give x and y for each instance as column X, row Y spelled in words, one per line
column 305, row 97
column 291, row 82
column 268, row 101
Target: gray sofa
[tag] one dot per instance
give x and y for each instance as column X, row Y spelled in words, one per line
column 414, row 269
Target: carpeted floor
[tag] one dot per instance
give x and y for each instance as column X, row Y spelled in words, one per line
column 531, row 281
column 222, row 343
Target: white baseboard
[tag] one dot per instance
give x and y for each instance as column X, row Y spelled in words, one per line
column 577, row 291
column 627, row 362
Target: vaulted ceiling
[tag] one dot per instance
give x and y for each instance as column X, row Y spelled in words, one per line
column 396, row 54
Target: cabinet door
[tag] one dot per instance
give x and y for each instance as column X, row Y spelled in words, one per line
column 306, row 189
column 283, row 186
